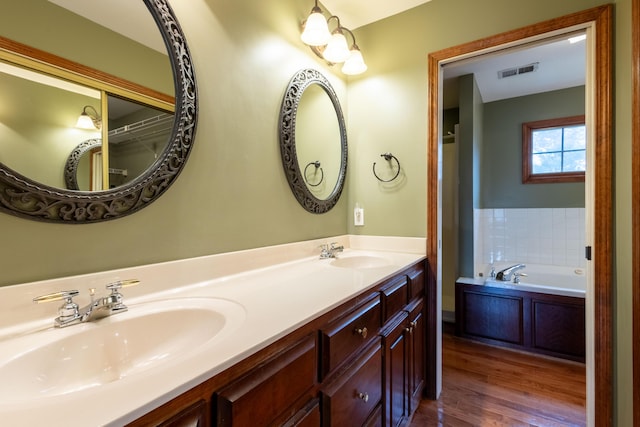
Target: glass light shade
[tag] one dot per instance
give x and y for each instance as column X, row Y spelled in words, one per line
column 337, row 50
column 85, row 122
column 355, row 64
column 316, row 32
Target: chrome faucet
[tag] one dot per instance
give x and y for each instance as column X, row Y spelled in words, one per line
column 508, row 273
column 329, row 250
column 69, row 313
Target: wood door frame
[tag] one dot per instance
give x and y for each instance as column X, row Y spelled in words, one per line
column 635, row 200
column 601, row 17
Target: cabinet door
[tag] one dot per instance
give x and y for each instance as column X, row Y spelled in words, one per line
column 417, row 361
column 269, row 392
column 396, row 371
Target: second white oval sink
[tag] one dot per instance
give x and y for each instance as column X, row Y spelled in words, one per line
column 67, row 360
column 360, row 261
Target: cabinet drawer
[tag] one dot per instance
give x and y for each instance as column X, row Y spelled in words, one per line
column 394, row 297
column 416, row 281
column 344, row 336
column 309, row 416
column 269, row 390
column 352, row 398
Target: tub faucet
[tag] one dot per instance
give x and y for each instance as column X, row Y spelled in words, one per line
column 70, row 313
column 508, row 273
column 329, row 250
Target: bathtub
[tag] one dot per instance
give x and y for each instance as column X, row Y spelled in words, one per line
column 547, row 279
column 544, row 313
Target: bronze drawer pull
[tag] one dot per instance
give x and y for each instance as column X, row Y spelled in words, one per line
column 362, row 396
column 362, row 332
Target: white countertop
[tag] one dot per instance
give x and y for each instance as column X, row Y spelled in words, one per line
column 276, row 294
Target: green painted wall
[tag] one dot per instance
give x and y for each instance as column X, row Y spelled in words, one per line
column 469, row 160
column 388, row 107
column 233, row 193
column 501, row 171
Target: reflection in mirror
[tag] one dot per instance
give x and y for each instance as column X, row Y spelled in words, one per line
column 317, row 136
column 137, row 135
column 313, row 141
column 39, row 137
column 83, row 170
column 37, row 130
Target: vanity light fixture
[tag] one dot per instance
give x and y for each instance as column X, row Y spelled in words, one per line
column 332, row 46
column 316, row 30
column 89, row 119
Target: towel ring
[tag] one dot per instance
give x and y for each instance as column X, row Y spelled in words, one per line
column 317, row 165
column 387, row 157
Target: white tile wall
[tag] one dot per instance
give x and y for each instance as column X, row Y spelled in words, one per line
column 535, row 236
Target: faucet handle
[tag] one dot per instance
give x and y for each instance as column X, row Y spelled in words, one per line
column 68, row 312
column 115, row 286
column 115, row 300
column 517, row 275
column 57, row 296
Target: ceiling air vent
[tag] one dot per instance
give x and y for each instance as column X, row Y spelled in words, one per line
column 510, row 72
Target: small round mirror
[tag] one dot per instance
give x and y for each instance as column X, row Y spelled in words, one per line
column 313, row 141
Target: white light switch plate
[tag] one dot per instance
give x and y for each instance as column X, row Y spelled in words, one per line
column 358, row 216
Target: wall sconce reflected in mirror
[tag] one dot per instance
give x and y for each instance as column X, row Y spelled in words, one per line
column 89, row 119
column 332, row 46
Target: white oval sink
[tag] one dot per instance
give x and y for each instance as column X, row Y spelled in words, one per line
column 360, row 261
column 67, row 360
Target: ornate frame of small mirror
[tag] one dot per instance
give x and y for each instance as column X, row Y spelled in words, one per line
column 71, row 167
column 23, row 197
column 287, row 133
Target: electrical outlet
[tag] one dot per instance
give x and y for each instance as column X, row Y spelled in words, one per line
column 358, row 217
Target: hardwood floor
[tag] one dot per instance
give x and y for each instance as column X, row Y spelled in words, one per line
column 490, row 386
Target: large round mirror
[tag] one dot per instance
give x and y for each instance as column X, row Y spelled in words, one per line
column 141, row 101
column 313, row 141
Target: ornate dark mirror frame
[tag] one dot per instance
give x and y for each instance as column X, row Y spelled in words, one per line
column 25, row 198
column 287, row 130
column 71, row 167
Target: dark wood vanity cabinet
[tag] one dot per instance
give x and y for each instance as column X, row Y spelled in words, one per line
column 351, row 398
column 396, row 371
column 269, row 392
column 192, row 416
column 404, row 342
column 343, row 337
column 361, row 364
column 417, row 332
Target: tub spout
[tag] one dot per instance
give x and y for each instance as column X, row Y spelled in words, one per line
column 508, row 273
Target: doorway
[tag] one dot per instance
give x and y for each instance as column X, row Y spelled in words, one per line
column 597, row 24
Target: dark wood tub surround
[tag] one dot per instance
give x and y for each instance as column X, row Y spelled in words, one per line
column 541, row 323
column 601, row 18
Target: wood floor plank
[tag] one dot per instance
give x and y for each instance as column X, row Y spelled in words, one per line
column 490, row 386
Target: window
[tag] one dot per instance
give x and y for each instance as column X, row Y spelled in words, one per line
column 554, row 150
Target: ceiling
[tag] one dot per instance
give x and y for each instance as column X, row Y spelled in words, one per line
column 559, row 64
column 356, row 13
column 136, row 24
